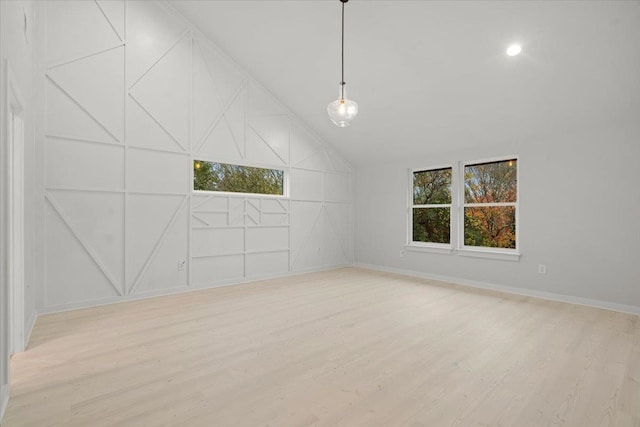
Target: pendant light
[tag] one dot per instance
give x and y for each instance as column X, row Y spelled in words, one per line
column 342, row 110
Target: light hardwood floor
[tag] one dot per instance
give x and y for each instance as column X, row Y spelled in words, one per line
column 347, row 347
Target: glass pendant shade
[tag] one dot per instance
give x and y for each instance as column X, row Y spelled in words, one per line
column 342, row 111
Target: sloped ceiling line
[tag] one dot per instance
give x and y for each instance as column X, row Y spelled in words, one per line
column 94, row 256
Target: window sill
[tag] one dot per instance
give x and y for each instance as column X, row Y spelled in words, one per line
column 485, row 253
column 435, row 249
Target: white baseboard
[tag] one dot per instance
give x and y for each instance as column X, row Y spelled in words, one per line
column 180, row 290
column 29, row 327
column 607, row 305
column 6, row 390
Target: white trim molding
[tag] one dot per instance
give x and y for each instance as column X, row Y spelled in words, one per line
column 606, row 305
column 5, row 392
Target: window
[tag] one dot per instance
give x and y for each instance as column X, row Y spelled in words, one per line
column 431, row 206
column 490, row 203
column 212, row 176
column 470, row 209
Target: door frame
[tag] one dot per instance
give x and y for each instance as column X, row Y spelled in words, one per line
column 14, row 125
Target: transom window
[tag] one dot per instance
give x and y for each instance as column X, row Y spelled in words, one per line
column 213, row 176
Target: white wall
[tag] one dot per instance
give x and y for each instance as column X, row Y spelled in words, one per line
column 132, row 94
column 579, row 215
column 17, row 47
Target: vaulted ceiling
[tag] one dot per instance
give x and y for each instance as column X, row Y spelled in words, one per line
column 433, row 76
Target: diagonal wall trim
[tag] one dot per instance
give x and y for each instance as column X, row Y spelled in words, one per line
column 156, row 247
column 196, row 206
column 105, row 271
column 108, row 20
column 156, row 121
column 166, row 52
column 197, row 218
column 267, row 144
column 89, row 141
column 315, row 152
column 85, row 190
column 213, row 125
column 84, row 56
column 82, row 108
column 156, row 150
column 282, row 205
column 308, row 237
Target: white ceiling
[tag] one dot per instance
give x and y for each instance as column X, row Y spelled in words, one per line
column 433, row 76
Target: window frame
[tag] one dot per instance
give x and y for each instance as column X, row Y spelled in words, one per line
column 482, row 251
column 457, row 206
column 412, row 245
column 285, row 178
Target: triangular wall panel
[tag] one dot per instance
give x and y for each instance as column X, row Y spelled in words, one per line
column 259, row 151
column 274, row 131
column 99, row 220
column 307, row 235
column 75, row 28
column 227, row 78
column 143, row 131
column 114, row 11
column 207, row 104
column 151, row 31
column 148, row 218
column 235, row 115
column 71, row 275
column 163, row 271
column 97, row 84
column 164, row 92
column 221, row 145
column 66, row 118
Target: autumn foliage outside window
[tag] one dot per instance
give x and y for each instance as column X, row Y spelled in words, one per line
column 431, row 208
column 477, row 204
column 212, row 176
column 490, row 196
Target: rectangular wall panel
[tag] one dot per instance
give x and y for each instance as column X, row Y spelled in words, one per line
column 267, row 238
column 267, row 264
column 306, row 185
column 217, row 241
column 217, row 269
column 75, row 164
column 157, row 172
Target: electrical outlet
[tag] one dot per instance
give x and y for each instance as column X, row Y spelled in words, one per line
column 542, row 268
column 181, row 265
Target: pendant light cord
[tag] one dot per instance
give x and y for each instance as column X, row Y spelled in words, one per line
column 342, row 83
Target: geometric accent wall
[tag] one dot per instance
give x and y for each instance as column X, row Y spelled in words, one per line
column 133, row 94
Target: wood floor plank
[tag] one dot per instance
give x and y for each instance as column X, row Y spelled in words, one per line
column 347, row 347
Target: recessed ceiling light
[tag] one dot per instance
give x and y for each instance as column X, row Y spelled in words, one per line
column 514, row 49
